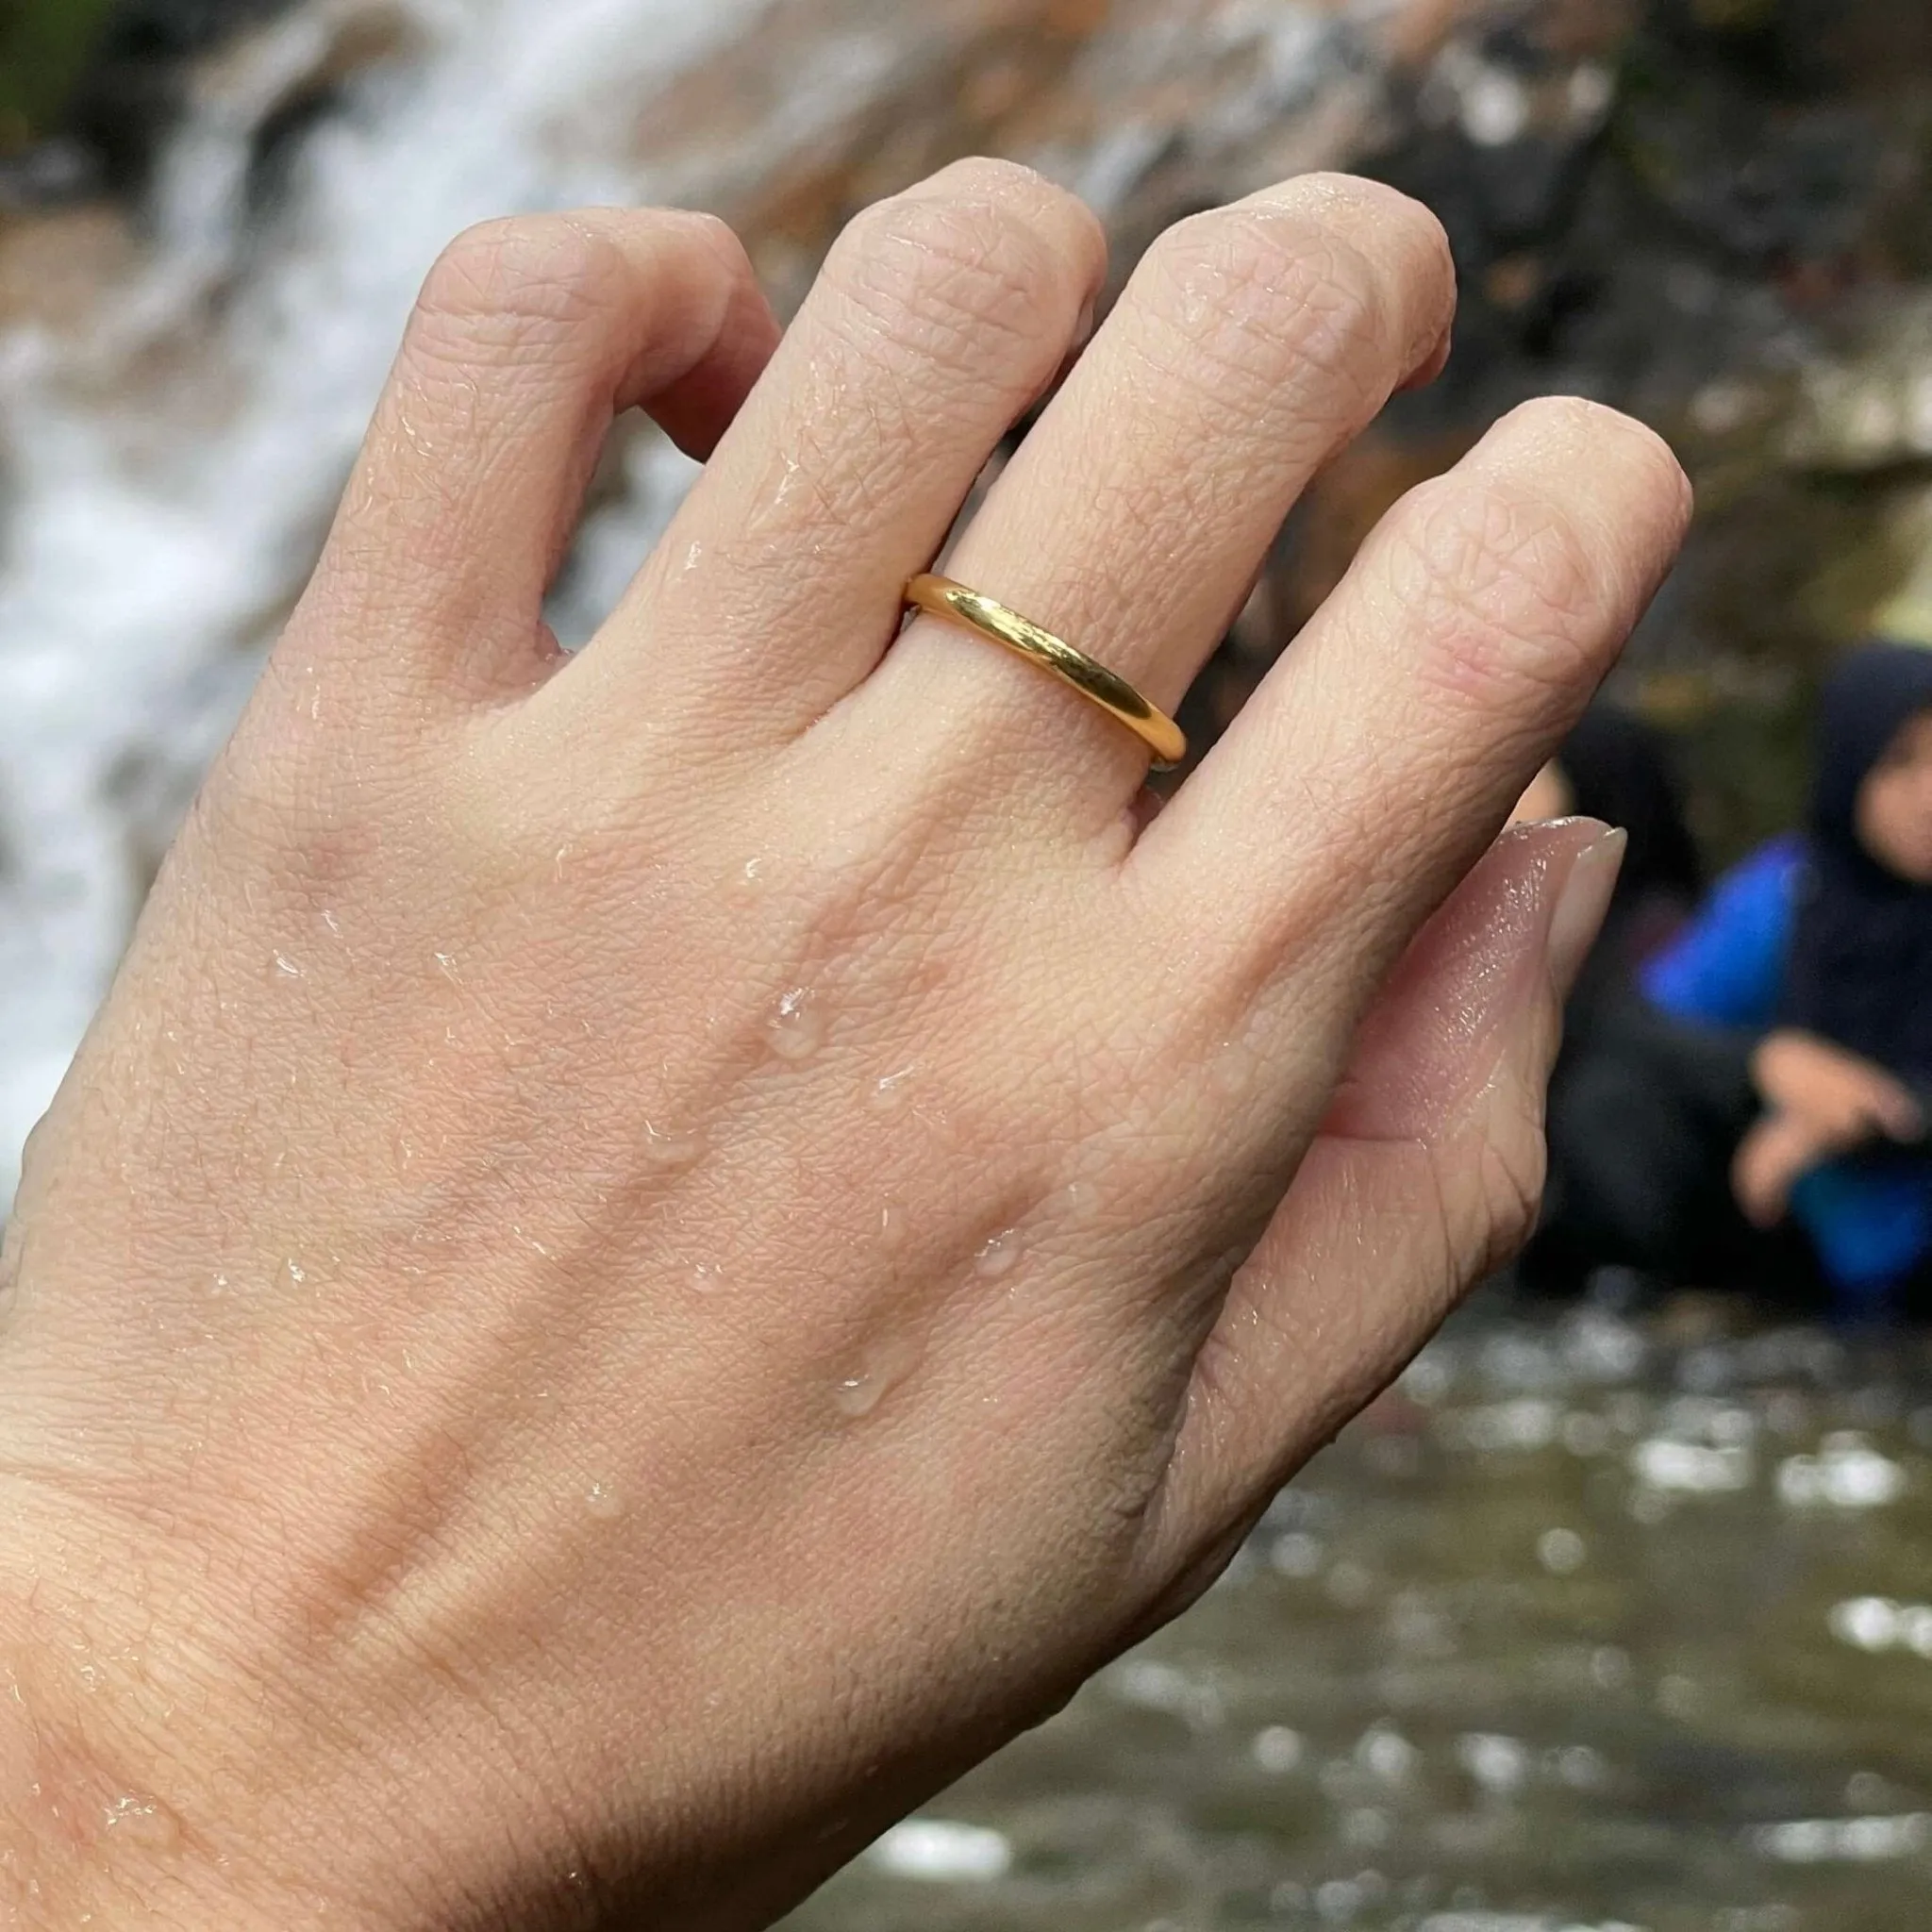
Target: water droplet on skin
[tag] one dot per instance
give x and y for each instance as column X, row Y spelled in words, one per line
column 892, row 1225
column 333, row 925
column 296, row 1271
column 858, row 1395
column 1231, row 1070
column 885, row 1366
column 142, row 1821
column 1079, row 1199
column 667, row 1147
column 999, row 1256
column 287, row 967
column 797, row 1029
column 604, row 1501
column 892, row 1093
column 706, row 1277
column 754, row 872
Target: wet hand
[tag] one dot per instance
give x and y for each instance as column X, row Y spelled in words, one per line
column 654, row 1253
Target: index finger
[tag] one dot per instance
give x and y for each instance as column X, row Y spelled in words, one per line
column 531, row 335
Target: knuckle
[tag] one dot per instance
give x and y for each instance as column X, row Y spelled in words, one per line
column 1409, row 228
column 713, row 230
column 1597, row 425
column 1044, row 208
column 713, row 233
column 1258, row 297
column 499, row 283
column 993, row 175
column 958, row 279
column 296, row 832
column 1505, row 586
column 1646, row 495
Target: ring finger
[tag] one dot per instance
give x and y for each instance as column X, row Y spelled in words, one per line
column 1251, row 345
column 941, row 316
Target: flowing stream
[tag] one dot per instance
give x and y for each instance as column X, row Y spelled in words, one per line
column 1582, row 1629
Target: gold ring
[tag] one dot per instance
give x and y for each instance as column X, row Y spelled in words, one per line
column 955, row 604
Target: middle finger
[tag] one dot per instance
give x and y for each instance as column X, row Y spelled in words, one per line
column 1251, row 345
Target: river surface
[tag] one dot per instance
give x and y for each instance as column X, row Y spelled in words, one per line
column 1586, row 1628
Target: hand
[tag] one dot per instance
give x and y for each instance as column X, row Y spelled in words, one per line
column 1840, row 1100
column 653, row 1253
column 1771, row 1160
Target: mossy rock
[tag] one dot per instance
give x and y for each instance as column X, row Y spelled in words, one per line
column 45, row 49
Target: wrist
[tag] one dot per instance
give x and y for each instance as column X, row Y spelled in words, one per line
column 87, row 1838
column 134, row 1788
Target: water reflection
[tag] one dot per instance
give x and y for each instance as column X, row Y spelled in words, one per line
column 1587, row 1627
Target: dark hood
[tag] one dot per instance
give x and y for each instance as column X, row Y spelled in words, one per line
column 1862, row 954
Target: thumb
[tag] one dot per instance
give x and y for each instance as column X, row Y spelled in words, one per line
column 1427, row 1173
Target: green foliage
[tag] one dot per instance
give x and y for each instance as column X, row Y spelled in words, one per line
column 43, row 46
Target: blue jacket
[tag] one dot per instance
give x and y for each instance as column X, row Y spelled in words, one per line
column 1871, row 1221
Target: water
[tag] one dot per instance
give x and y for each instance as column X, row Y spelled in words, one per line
column 1000, row 1256
column 144, row 1823
column 892, row 1092
column 797, row 1029
column 670, row 1147
column 1482, row 1670
column 604, row 1500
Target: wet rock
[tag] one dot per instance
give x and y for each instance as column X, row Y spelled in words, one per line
column 141, row 77
column 56, row 268
column 49, row 174
column 1866, row 405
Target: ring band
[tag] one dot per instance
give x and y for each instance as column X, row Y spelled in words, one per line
column 955, row 604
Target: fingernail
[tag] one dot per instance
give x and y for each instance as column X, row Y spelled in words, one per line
column 1581, row 907
column 1430, row 370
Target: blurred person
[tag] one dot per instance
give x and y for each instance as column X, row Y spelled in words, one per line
column 1759, row 1117
column 653, row 1252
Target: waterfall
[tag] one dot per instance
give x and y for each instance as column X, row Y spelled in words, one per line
column 158, row 524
